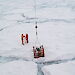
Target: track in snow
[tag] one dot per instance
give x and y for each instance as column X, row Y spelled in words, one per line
column 4, row 59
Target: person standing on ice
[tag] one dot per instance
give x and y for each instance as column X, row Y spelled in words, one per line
column 42, row 51
column 27, row 38
column 34, row 50
column 22, row 38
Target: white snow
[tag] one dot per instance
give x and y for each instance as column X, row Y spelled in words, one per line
column 56, row 29
column 60, row 69
column 18, row 68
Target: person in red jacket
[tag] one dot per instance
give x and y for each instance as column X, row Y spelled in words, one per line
column 22, row 38
column 27, row 38
column 42, row 51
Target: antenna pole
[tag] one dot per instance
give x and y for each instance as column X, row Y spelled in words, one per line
column 35, row 7
column 35, row 10
column 36, row 28
column 35, row 17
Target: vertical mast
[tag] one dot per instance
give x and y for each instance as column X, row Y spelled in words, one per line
column 35, row 17
column 35, row 7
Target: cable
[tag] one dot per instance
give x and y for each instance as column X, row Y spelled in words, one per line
column 37, row 41
column 35, row 10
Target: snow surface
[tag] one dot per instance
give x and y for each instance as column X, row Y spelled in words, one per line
column 18, row 68
column 56, row 29
column 60, row 69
